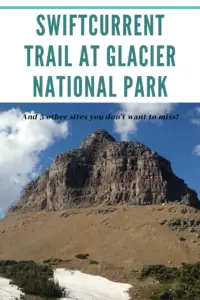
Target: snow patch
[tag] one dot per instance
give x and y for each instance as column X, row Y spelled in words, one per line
column 9, row 291
column 80, row 286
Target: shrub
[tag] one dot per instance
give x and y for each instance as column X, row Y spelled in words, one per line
column 53, row 261
column 82, row 256
column 94, row 262
column 31, row 278
column 160, row 272
column 179, row 283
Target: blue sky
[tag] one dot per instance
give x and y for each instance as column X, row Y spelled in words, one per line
column 173, row 139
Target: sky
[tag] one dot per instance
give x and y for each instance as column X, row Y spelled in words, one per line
column 28, row 147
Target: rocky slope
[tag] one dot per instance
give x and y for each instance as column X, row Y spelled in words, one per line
column 103, row 171
column 120, row 235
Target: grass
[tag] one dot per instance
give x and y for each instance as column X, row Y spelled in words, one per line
column 52, row 261
column 32, row 278
column 55, row 261
column 175, row 283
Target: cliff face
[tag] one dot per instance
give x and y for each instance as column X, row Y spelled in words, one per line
column 103, row 171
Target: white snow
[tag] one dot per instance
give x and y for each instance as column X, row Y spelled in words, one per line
column 80, row 286
column 9, row 291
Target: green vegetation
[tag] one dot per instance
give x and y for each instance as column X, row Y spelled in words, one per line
column 52, row 261
column 94, row 262
column 175, row 283
column 55, row 261
column 82, row 256
column 32, row 278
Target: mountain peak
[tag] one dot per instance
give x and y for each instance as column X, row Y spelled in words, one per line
column 97, row 137
column 103, row 171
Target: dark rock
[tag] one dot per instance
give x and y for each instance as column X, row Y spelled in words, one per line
column 173, row 223
column 163, row 222
column 191, row 222
column 196, row 222
column 191, row 225
column 184, row 211
column 103, row 171
column 184, row 223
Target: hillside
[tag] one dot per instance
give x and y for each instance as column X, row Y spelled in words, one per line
column 120, row 235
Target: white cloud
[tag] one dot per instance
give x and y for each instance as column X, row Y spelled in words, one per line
column 124, row 127
column 197, row 150
column 197, row 109
column 21, row 142
column 196, row 121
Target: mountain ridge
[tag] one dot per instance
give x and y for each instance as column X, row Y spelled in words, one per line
column 104, row 171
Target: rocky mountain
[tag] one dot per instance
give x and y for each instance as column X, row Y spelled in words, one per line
column 104, row 171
